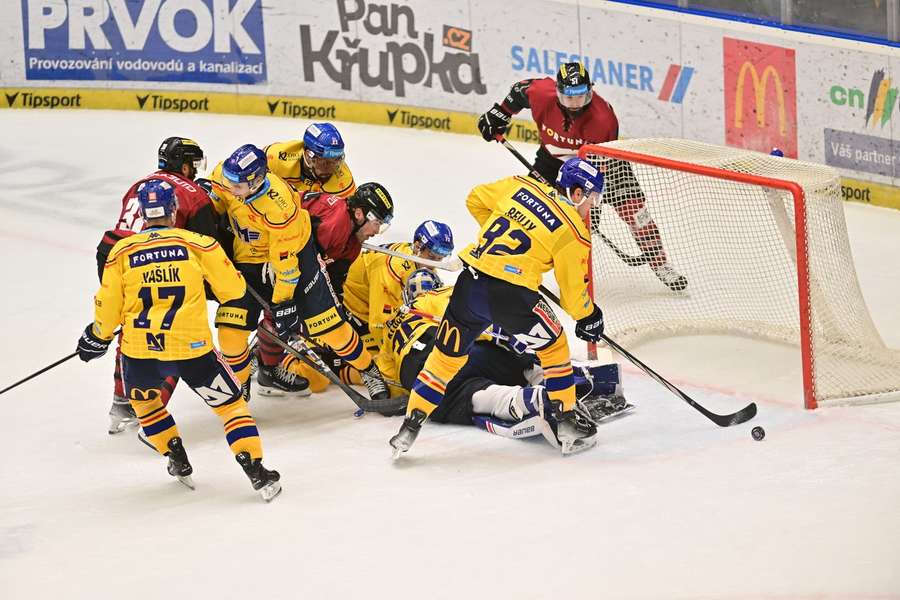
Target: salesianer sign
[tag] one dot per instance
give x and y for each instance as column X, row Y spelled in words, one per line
column 760, row 96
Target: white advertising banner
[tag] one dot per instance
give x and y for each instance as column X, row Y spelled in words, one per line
column 436, row 65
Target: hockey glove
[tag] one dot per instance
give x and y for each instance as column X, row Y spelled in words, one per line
column 494, row 122
column 590, row 328
column 285, row 316
column 90, row 346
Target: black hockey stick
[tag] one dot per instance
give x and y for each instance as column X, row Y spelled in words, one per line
column 631, row 261
column 741, row 416
column 36, row 373
column 388, row 406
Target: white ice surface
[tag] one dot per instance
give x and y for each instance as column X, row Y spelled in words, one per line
column 667, row 506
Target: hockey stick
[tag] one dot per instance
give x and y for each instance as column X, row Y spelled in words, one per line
column 36, row 373
column 741, row 416
column 314, row 361
column 631, row 261
column 454, row 264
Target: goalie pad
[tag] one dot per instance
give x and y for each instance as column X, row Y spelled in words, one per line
column 526, row 428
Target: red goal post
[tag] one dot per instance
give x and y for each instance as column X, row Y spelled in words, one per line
column 763, row 245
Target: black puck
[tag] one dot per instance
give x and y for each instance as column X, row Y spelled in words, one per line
column 758, row 433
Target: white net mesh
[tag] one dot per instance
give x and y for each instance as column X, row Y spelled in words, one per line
column 719, row 257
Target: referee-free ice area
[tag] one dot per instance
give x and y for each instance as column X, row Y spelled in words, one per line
column 666, row 506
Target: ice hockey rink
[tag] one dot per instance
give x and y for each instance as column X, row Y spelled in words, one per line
column 666, row 506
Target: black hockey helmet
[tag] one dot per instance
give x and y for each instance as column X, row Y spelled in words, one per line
column 573, row 86
column 175, row 151
column 374, row 201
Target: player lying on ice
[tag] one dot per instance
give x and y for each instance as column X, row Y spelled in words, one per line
column 500, row 387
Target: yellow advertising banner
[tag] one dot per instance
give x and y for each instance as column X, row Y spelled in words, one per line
column 867, row 192
column 309, row 109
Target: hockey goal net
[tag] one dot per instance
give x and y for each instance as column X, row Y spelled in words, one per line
column 761, row 242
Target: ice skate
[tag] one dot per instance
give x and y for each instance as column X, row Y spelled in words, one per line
column 673, row 280
column 375, row 384
column 121, row 416
column 404, row 439
column 568, row 431
column 179, row 467
column 280, row 381
column 266, row 482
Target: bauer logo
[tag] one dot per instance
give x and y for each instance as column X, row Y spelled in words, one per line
column 382, row 46
column 760, row 96
column 210, row 41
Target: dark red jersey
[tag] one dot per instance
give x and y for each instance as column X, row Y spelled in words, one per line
column 192, row 200
column 194, row 212
column 560, row 135
column 332, row 226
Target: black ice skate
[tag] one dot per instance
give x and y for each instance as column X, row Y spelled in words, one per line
column 674, row 280
column 121, row 416
column 279, row 381
column 568, row 430
column 179, row 466
column 404, row 439
column 375, row 384
column 266, row 482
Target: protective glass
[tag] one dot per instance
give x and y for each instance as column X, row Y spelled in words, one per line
column 383, row 224
column 244, row 189
column 574, row 98
column 199, row 164
column 324, row 164
column 440, row 250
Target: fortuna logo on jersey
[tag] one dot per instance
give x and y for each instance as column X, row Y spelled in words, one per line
column 154, row 255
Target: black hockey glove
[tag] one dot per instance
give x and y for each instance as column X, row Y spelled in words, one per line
column 285, row 316
column 90, row 346
column 590, row 328
column 494, row 122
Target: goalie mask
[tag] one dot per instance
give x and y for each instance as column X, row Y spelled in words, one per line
column 419, row 282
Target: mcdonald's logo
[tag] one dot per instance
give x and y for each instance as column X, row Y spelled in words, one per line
column 760, row 96
column 446, row 334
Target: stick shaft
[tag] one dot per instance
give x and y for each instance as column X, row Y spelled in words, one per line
column 36, row 373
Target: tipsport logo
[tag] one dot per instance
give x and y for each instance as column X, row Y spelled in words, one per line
column 210, row 41
column 879, row 102
column 614, row 73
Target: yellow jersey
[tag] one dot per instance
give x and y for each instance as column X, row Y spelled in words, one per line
column 527, row 230
column 373, row 289
column 153, row 287
column 269, row 229
column 402, row 331
column 285, row 159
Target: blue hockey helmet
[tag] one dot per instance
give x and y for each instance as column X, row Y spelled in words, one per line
column 578, row 173
column 157, row 199
column 420, row 281
column 245, row 170
column 435, row 237
column 324, row 140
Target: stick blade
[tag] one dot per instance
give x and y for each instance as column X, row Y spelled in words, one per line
column 741, row 416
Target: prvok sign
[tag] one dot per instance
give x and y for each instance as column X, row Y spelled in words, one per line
column 209, row 41
column 760, row 96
